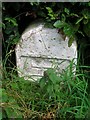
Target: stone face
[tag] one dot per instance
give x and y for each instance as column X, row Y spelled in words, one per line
column 41, row 48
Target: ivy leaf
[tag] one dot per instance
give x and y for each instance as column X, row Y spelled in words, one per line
column 59, row 24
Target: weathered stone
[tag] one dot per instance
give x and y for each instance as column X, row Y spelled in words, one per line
column 41, row 48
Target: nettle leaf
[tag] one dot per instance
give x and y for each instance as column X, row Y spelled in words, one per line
column 59, row 24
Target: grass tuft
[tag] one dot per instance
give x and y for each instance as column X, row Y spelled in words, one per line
column 54, row 96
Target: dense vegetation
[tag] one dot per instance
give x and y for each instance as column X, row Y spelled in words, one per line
column 53, row 96
column 73, row 19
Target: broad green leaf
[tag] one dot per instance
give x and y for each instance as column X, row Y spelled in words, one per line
column 7, row 31
column 67, row 11
column 63, row 17
column 12, row 20
column 2, row 25
column 59, row 24
column 57, row 87
column 52, row 76
column 88, row 3
column 68, row 30
column 71, row 39
column 50, row 89
column 42, row 82
column 9, row 28
column 49, row 9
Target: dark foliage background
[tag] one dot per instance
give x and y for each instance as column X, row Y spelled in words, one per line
column 73, row 16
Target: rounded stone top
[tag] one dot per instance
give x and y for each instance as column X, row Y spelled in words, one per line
column 39, row 47
column 40, row 41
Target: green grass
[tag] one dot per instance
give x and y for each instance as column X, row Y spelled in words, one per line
column 56, row 96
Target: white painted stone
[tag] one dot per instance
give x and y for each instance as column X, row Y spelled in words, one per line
column 41, row 48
